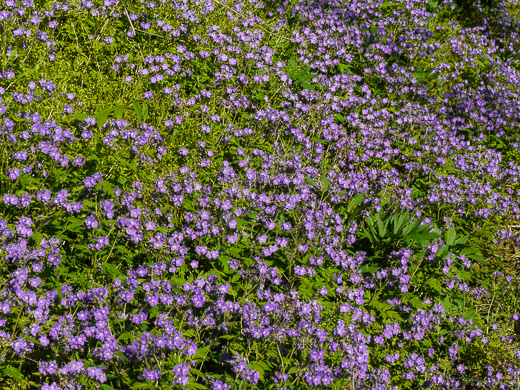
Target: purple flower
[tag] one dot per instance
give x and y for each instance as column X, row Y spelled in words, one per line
column 13, row 174
column 91, row 222
column 151, row 375
column 219, row 385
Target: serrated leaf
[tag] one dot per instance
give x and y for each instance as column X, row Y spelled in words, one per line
column 417, row 303
column 201, row 353
column 113, row 271
column 200, row 374
column 435, row 284
column 257, row 367
column 195, row 385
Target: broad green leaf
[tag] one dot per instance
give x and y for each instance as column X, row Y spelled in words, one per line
column 446, row 303
column 119, row 111
column 102, row 117
column 451, row 234
column 138, row 111
column 145, row 112
column 461, row 240
column 407, row 230
column 311, row 181
column 80, row 116
column 369, row 268
column 355, row 202
column 401, row 221
column 325, row 182
column 381, row 226
column 307, row 86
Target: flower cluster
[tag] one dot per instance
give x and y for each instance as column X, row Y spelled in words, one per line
column 299, row 195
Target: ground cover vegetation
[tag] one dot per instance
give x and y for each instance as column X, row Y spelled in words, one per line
column 257, row 194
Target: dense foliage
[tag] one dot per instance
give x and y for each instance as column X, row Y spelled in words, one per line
column 233, row 194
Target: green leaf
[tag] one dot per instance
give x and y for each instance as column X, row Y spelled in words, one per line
column 13, row 372
column 145, row 112
column 188, row 205
column 417, row 303
column 200, row 374
column 107, row 188
column 355, row 202
column 407, row 230
column 80, row 116
column 381, row 227
column 393, row 316
column 435, row 284
column 462, row 240
column 451, row 234
column 442, row 252
column 201, row 353
column 113, row 271
column 119, row 111
column 138, row 111
column 400, row 221
column 446, row 303
column 125, row 336
column 307, row 86
column 311, row 181
column 140, row 385
column 102, row 117
column 107, row 387
column 422, row 238
column 195, row 385
column 325, row 182
column 369, row 268
column 344, row 68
